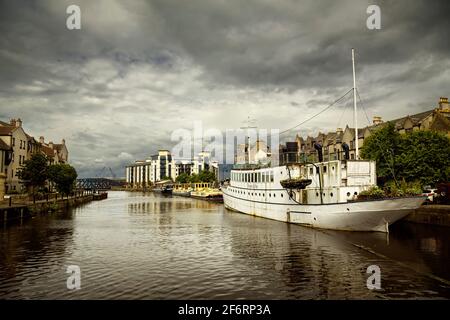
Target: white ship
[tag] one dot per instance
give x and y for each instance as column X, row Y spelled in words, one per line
column 320, row 195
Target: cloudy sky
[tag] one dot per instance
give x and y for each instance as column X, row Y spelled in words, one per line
column 137, row 70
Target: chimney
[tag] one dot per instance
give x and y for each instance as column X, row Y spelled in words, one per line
column 41, row 140
column 443, row 103
column 63, row 141
column 50, row 144
column 377, row 120
column 18, row 123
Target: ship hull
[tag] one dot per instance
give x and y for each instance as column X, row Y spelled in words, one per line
column 374, row 215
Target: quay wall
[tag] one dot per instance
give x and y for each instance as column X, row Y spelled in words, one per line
column 431, row 214
column 18, row 212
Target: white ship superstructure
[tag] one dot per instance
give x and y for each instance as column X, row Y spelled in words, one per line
column 328, row 202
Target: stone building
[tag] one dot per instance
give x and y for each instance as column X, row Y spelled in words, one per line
column 436, row 119
column 17, row 146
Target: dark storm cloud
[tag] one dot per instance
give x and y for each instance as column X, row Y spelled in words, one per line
column 136, row 70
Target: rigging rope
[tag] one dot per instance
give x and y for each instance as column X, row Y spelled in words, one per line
column 320, row 112
column 378, row 142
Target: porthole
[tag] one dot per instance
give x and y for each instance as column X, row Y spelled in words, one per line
column 356, row 193
column 324, row 194
column 317, row 194
column 348, row 194
column 274, row 195
column 331, row 194
column 282, row 195
column 332, row 168
column 270, row 195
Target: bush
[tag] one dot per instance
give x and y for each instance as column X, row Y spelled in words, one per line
column 373, row 193
column 403, row 188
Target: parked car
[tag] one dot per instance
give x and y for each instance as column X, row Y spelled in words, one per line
column 430, row 194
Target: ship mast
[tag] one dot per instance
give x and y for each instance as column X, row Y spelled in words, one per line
column 354, row 105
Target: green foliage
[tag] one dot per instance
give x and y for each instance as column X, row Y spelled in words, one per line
column 424, row 156
column 383, row 145
column 182, row 178
column 63, row 176
column 403, row 188
column 373, row 193
column 206, row 176
column 194, row 178
column 34, row 172
column 203, row 176
column 418, row 156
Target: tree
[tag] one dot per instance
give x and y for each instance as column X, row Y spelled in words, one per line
column 206, row 176
column 34, row 172
column 182, row 178
column 63, row 176
column 382, row 146
column 421, row 156
column 194, row 178
column 424, row 156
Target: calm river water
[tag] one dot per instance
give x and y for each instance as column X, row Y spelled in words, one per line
column 146, row 246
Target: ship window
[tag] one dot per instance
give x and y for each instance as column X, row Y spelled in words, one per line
column 317, row 194
column 332, row 168
column 270, row 194
column 282, row 195
column 356, row 193
column 324, row 193
column 348, row 194
column 331, row 194
column 274, row 195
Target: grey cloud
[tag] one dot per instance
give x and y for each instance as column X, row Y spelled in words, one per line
column 138, row 70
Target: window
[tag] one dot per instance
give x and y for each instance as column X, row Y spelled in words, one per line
column 331, row 194
column 324, row 169
column 311, row 170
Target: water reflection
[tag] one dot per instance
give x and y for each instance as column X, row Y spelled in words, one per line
column 145, row 246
